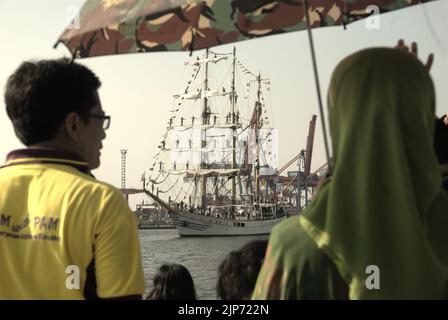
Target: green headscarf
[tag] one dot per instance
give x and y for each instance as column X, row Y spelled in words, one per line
column 384, row 204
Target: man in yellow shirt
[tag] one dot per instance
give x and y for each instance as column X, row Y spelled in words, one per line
column 63, row 234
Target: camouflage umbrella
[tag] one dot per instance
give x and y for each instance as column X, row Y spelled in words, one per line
column 108, row 27
column 127, row 26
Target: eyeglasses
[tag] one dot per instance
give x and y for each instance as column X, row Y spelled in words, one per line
column 105, row 120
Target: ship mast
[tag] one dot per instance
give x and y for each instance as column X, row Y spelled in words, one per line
column 205, row 117
column 257, row 141
column 233, row 95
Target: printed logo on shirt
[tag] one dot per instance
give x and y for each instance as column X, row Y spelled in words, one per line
column 36, row 228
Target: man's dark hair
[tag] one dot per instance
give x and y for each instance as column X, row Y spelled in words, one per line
column 40, row 94
column 441, row 141
column 172, row 282
column 238, row 272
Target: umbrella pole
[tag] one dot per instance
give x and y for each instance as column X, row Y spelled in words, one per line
column 316, row 78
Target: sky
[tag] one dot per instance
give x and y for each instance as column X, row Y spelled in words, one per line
column 138, row 89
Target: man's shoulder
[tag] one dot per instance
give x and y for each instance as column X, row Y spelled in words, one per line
column 65, row 178
column 85, row 190
column 92, row 185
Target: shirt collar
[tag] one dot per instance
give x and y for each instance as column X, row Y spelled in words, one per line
column 50, row 156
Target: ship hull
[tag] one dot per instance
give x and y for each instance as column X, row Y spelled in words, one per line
column 189, row 224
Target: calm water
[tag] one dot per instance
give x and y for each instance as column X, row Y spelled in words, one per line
column 200, row 255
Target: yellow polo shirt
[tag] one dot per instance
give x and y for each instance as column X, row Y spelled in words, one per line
column 63, row 234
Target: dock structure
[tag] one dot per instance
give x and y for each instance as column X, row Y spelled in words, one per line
column 153, row 216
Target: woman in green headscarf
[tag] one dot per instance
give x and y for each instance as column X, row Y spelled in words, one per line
column 378, row 228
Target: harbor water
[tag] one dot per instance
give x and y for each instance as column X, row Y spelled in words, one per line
column 200, row 255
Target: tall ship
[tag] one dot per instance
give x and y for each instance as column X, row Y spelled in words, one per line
column 214, row 172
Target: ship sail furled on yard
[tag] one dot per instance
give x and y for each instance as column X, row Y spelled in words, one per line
column 212, row 172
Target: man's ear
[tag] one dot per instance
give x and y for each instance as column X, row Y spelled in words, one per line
column 72, row 122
